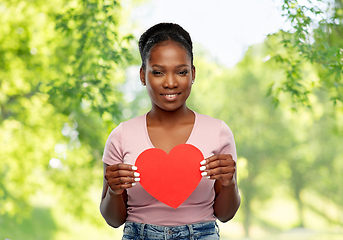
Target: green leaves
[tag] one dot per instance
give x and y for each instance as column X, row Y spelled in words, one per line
column 286, row 152
column 60, row 65
column 314, row 38
column 95, row 50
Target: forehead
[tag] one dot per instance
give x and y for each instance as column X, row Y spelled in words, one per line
column 168, row 52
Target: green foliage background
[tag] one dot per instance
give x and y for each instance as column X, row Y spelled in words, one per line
column 65, row 77
column 61, row 62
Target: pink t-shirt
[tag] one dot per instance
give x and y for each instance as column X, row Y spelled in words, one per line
column 130, row 138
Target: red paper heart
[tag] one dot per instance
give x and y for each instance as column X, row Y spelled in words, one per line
column 170, row 178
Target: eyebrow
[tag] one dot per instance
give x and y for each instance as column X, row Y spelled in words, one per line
column 178, row 66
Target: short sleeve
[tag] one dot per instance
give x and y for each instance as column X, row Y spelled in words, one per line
column 227, row 142
column 113, row 152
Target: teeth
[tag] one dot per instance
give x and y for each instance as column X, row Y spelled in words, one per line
column 170, row 95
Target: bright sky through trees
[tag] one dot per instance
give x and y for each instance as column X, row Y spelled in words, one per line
column 225, row 27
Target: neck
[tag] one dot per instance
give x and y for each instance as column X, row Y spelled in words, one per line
column 159, row 116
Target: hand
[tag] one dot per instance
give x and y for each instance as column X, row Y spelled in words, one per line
column 120, row 177
column 220, row 167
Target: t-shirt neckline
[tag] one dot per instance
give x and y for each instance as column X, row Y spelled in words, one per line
column 189, row 137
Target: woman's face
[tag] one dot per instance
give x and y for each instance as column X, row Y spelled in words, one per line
column 168, row 76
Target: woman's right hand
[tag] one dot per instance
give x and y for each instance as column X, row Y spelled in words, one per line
column 120, row 177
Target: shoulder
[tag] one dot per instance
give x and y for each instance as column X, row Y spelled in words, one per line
column 127, row 126
column 207, row 119
column 134, row 121
column 214, row 124
column 213, row 136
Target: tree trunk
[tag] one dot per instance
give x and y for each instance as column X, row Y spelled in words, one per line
column 300, row 206
column 247, row 216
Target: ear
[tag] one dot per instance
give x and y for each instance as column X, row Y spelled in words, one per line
column 193, row 74
column 142, row 76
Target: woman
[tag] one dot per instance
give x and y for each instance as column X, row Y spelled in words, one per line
column 168, row 73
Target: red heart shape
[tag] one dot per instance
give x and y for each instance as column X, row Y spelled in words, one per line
column 170, row 178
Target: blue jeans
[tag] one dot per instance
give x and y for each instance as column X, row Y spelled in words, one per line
column 196, row 231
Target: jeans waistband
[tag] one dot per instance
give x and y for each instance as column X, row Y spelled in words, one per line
column 133, row 230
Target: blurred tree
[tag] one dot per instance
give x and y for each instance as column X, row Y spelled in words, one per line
column 60, row 66
column 277, row 148
column 237, row 96
column 315, row 37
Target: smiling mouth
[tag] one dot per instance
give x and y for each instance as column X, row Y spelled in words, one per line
column 171, row 95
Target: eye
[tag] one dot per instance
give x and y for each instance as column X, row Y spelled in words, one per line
column 157, row 73
column 183, row 73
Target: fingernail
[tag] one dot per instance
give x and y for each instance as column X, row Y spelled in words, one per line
column 202, row 168
column 136, row 174
column 133, row 184
column 203, row 162
column 208, row 177
column 137, row 179
column 203, row 173
column 134, row 168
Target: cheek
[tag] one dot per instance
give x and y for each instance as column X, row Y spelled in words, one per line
column 151, row 90
column 188, row 84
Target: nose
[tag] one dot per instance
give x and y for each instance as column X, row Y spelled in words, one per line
column 170, row 81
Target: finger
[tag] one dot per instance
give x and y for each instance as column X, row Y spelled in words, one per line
column 118, row 170
column 220, row 165
column 216, row 157
column 123, row 180
column 225, row 177
column 218, row 171
column 124, row 173
column 118, row 189
column 121, row 166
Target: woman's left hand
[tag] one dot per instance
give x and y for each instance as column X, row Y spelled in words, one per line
column 220, row 167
